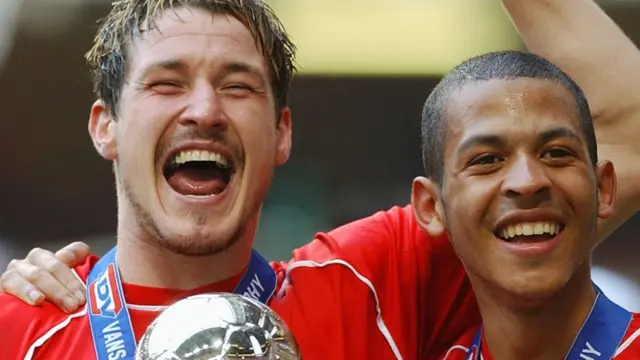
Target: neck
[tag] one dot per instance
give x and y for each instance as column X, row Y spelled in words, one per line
column 143, row 261
column 545, row 330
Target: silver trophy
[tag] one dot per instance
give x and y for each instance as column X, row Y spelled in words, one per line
column 217, row 327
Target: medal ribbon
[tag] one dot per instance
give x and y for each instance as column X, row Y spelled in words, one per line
column 111, row 329
column 599, row 337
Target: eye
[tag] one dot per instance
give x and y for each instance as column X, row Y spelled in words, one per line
column 238, row 88
column 165, row 87
column 486, row 159
column 557, row 153
column 164, row 83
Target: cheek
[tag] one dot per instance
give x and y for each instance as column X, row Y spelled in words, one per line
column 468, row 209
column 257, row 132
column 137, row 139
column 471, row 201
column 579, row 189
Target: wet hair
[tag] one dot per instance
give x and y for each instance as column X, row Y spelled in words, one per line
column 107, row 58
column 502, row 65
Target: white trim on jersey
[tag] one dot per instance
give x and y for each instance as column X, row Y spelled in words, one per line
column 455, row 347
column 52, row 331
column 60, row 326
column 75, row 273
column 49, row 334
column 42, row 339
column 379, row 321
column 150, row 308
column 627, row 343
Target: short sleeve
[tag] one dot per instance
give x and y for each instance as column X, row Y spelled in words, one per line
column 379, row 287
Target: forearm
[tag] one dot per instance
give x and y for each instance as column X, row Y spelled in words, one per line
column 583, row 41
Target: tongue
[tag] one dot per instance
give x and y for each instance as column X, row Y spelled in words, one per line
column 200, row 182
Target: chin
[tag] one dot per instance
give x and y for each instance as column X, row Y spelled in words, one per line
column 198, row 245
column 534, row 287
column 196, row 239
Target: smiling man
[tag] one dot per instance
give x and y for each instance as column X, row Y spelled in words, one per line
column 513, row 176
column 192, row 111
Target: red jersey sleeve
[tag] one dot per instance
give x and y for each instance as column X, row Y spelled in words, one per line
column 377, row 288
column 22, row 325
column 26, row 327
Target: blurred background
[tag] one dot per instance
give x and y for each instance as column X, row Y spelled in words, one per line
column 366, row 68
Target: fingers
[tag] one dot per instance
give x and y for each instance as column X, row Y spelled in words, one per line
column 28, row 282
column 12, row 283
column 44, row 274
column 74, row 254
column 54, row 278
column 51, row 287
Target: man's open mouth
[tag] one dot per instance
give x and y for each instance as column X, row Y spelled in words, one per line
column 198, row 172
column 529, row 232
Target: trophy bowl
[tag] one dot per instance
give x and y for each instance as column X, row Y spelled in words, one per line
column 217, row 326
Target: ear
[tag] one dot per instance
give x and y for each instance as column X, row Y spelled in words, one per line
column 427, row 206
column 102, row 128
column 284, row 137
column 607, row 187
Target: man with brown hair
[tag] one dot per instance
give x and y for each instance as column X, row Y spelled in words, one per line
column 192, row 110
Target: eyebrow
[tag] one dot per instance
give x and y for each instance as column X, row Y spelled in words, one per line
column 240, row 67
column 235, row 67
column 171, row 64
column 500, row 141
column 491, row 140
column 227, row 69
column 558, row 132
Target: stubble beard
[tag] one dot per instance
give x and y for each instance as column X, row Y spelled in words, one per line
column 205, row 245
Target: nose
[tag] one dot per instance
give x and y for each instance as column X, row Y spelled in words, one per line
column 204, row 109
column 525, row 178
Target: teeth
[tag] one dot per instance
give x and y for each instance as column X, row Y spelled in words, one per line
column 530, row 228
column 538, row 229
column 200, row 155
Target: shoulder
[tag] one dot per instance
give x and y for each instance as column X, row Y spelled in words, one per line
column 28, row 324
column 382, row 234
column 456, row 350
column 82, row 270
column 31, row 325
column 388, row 246
column 630, row 346
column 385, row 226
column 357, row 272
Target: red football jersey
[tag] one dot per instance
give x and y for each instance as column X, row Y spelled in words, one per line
column 49, row 333
column 378, row 288
column 629, row 348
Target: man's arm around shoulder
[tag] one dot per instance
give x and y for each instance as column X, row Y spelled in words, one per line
column 383, row 276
